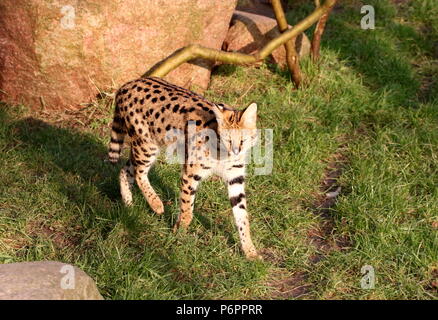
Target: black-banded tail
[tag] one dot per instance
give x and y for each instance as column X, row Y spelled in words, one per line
column 118, row 133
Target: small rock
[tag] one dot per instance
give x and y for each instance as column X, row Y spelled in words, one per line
column 45, row 280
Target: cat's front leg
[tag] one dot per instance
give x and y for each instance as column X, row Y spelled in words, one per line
column 191, row 177
column 237, row 196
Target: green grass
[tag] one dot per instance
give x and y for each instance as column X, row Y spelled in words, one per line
column 373, row 97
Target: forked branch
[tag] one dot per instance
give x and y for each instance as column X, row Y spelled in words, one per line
column 196, row 51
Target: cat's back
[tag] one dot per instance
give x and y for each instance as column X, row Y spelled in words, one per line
column 152, row 106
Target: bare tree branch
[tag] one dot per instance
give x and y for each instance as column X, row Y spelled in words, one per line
column 292, row 59
column 319, row 30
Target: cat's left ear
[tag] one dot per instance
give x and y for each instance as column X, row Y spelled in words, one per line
column 249, row 116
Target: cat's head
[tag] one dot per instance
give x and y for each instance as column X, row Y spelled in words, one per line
column 237, row 128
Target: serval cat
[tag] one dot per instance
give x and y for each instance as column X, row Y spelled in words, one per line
column 148, row 110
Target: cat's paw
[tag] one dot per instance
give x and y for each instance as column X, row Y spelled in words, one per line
column 157, row 206
column 253, row 256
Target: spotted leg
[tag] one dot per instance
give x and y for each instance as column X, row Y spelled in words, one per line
column 236, row 193
column 126, row 182
column 144, row 158
column 191, row 177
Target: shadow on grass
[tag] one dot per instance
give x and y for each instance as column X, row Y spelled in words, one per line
column 386, row 57
column 383, row 57
column 77, row 155
column 376, row 58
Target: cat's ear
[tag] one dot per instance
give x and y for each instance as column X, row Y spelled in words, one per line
column 249, row 116
column 218, row 110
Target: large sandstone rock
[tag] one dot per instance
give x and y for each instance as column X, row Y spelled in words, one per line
column 56, row 55
column 250, row 32
column 45, row 280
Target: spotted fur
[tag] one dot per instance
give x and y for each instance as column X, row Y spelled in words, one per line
column 147, row 109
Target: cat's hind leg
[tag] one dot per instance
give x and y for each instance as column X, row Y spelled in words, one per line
column 144, row 156
column 126, row 182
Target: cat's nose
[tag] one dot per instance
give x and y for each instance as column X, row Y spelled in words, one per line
column 236, row 150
